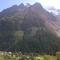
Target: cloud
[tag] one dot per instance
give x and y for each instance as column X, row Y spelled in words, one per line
column 55, row 3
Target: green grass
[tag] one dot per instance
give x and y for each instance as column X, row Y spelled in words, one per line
column 27, row 57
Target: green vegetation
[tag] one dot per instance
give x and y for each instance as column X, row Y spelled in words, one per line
column 20, row 56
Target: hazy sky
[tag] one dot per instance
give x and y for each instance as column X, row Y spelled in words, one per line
column 46, row 3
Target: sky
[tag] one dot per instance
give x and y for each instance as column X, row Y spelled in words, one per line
column 45, row 3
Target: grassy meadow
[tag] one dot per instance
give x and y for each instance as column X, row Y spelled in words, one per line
column 20, row 56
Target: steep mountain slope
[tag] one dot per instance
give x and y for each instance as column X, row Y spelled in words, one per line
column 28, row 29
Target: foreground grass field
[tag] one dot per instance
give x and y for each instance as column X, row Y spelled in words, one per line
column 19, row 56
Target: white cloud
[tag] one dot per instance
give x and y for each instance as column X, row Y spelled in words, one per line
column 46, row 3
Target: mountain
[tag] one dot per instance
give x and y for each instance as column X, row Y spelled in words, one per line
column 28, row 29
column 56, row 13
